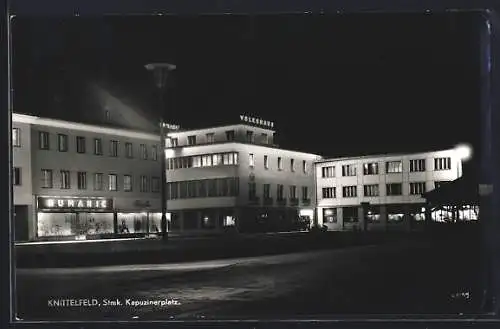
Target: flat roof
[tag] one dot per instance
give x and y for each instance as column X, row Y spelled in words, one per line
column 379, row 155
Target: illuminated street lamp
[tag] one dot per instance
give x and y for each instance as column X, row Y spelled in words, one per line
column 161, row 72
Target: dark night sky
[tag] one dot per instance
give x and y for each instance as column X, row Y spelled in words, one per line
column 335, row 85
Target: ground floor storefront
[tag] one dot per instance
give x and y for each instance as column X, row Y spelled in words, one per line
column 391, row 216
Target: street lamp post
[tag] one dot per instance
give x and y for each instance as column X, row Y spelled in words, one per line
column 160, row 73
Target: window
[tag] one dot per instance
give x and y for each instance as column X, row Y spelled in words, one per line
column 280, row 163
column 97, row 146
column 417, row 188
column 252, row 191
column 47, row 180
column 144, row 151
column 373, row 214
column 328, row 172
column 16, row 137
column 127, row 183
column 267, row 191
column 154, row 153
column 82, row 180
column 98, row 181
column 266, row 162
column 329, row 193
column 305, row 193
column 144, row 184
column 65, row 179
column 251, row 160
column 292, row 165
column 230, row 135
column 113, row 148
column 370, row 168
column 329, row 215
column 350, row 191
column 81, row 144
column 192, row 140
column 129, row 150
column 280, row 192
column 371, row 190
column 442, row 164
column 293, row 192
column 304, row 166
column 113, row 182
column 62, row 141
column 350, row 214
column 43, row 140
column 174, row 142
column 155, row 184
column 417, row 165
column 264, row 138
column 210, row 138
column 393, row 167
column 394, row 189
column 348, row 170
column 16, row 176
column 249, row 136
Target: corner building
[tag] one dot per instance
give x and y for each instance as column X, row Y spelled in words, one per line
column 381, row 192
column 73, row 180
column 235, row 177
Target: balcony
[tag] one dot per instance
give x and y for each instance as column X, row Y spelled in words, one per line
column 294, row 201
column 253, row 200
column 268, row 201
column 306, row 202
column 281, row 202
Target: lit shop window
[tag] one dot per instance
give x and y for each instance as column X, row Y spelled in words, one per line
column 207, row 160
column 395, row 214
column 373, row 214
column 330, row 215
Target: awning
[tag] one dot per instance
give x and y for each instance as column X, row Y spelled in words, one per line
column 464, row 190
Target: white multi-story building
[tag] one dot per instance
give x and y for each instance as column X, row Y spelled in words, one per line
column 380, row 192
column 72, row 179
column 234, row 175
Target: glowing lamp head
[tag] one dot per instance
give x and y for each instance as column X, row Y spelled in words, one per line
column 463, row 151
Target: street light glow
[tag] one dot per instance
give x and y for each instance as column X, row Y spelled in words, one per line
column 464, row 151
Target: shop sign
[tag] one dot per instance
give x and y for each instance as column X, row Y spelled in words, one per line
column 75, row 203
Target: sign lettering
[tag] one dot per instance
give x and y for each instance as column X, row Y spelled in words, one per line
column 257, row 121
column 48, row 203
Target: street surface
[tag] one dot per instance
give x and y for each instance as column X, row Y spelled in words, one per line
column 404, row 278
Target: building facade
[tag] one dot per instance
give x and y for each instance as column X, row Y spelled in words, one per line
column 234, row 176
column 381, row 192
column 74, row 180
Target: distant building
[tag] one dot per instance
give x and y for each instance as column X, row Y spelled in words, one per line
column 381, row 192
column 76, row 180
column 234, row 176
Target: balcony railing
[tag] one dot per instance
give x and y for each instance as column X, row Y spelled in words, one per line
column 281, row 202
column 306, row 202
column 254, row 200
column 294, row 201
column 268, row 201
